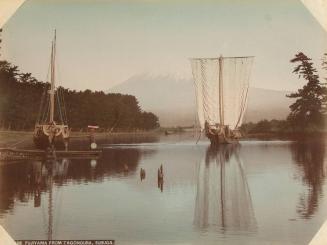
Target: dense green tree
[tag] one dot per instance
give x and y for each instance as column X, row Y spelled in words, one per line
column 0, row 39
column 324, row 67
column 263, row 126
column 148, row 119
column 21, row 96
column 307, row 112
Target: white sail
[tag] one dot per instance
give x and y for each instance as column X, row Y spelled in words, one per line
column 221, row 86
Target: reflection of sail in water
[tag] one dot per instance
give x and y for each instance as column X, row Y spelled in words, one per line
column 223, row 198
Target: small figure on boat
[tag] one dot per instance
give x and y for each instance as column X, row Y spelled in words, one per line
column 126, row 168
column 93, row 146
column 142, row 174
column 92, row 129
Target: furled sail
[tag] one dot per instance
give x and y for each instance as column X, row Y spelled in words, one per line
column 221, row 87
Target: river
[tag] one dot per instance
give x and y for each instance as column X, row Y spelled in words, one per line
column 257, row 192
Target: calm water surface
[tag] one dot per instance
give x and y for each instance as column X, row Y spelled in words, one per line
column 254, row 193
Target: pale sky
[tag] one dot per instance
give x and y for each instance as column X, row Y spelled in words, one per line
column 103, row 43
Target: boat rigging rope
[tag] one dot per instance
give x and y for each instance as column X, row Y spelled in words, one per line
column 46, row 110
column 206, row 98
column 200, row 134
column 59, row 107
column 244, row 91
column 19, row 142
column 197, row 125
column 60, row 95
column 64, row 106
column 39, row 116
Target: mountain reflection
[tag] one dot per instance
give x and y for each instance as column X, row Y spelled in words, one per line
column 309, row 157
column 223, row 199
column 26, row 180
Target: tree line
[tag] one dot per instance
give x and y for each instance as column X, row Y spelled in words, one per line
column 20, row 103
column 308, row 113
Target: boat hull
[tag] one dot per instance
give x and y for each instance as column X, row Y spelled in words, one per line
column 222, row 135
column 219, row 139
column 42, row 142
column 59, row 141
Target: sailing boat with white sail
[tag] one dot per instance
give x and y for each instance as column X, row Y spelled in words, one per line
column 51, row 129
column 221, row 86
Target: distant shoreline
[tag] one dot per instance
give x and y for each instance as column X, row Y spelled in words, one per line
column 287, row 136
column 24, row 139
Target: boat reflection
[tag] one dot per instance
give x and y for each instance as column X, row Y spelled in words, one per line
column 24, row 181
column 223, row 200
column 41, row 178
column 42, row 175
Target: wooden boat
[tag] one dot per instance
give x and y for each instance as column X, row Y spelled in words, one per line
column 51, row 129
column 221, row 134
column 221, row 88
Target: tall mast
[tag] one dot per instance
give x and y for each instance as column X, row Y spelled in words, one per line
column 52, row 89
column 221, row 95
